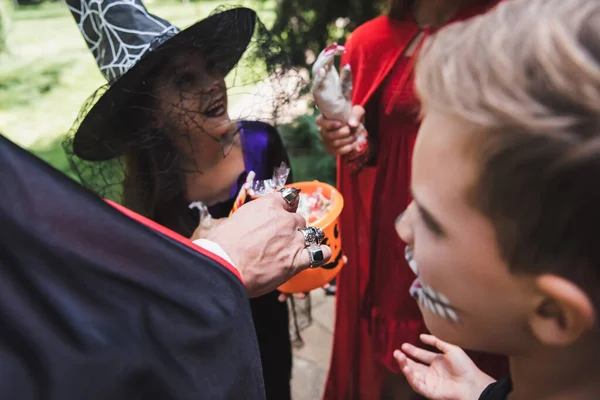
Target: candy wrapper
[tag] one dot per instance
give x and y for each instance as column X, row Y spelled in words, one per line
column 243, row 193
column 256, row 189
column 206, row 223
column 261, row 188
column 313, row 206
column 333, row 97
column 205, row 217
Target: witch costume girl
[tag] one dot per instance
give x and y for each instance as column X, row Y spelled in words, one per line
column 160, row 136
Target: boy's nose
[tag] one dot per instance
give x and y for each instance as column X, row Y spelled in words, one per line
column 404, row 226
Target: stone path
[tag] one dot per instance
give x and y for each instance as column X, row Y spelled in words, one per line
column 311, row 362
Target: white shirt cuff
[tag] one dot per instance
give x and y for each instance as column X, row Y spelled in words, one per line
column 214, row 248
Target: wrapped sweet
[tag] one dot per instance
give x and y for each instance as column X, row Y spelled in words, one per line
column 313, row 206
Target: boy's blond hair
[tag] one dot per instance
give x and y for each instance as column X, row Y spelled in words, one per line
column 528, row 73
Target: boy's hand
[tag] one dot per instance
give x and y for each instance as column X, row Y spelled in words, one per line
column 451, row 375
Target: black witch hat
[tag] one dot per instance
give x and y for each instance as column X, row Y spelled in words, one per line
column 128, row 42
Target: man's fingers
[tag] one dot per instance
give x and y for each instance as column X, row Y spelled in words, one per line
column 284, row 296
column 300, row 222
column 277, row 199
column 437, row 343
column 421, row 355
column 303, row 259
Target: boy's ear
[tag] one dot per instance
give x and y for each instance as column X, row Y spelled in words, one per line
column 564, row 312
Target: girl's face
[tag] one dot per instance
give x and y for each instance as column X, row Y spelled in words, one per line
column 192, row 107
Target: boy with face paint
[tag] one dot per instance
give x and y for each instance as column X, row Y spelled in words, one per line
column 502, row 233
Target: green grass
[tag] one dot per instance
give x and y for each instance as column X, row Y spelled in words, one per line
column 49, row 72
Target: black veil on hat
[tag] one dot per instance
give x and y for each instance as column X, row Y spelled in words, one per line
column 132, row 47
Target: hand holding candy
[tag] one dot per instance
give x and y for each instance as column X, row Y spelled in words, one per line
column 344, row 139
column 341, row 125
column 263, row 240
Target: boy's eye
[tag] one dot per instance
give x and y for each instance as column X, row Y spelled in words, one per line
column 430, row 223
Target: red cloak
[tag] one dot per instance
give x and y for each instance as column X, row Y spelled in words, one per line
column 363, row 342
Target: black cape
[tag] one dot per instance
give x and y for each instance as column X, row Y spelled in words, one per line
column 96, row 305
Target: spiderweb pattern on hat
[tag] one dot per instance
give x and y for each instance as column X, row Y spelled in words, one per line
column 127, row 43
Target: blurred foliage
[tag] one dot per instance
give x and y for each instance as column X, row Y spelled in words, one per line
column 5, row 18
column 41, row 79
column 309, row 160
column 307, row 26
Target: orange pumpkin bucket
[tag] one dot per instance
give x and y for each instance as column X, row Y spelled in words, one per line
column 315, row 278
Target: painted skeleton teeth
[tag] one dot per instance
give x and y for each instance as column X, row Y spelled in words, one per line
column 430, row 292
column 440, row 310
column 429, row 304
column 426, row 296
column 413, row 266
column 443, row 299
column 412, row 263
column 414, row 292
column 452, row 314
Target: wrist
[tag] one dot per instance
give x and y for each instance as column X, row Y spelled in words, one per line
column 478, row 384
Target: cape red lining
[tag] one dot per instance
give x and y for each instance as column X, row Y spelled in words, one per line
column 175, row 236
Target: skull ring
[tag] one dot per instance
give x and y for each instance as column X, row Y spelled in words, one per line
column 312, row 236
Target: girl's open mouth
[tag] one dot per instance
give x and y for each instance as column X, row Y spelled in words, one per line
column 215, row 109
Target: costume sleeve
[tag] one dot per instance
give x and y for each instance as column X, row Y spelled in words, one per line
column 213, row 248
column 95, row 304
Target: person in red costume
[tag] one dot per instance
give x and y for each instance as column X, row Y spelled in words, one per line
column 375, row 312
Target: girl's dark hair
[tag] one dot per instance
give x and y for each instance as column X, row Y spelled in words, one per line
column 153, row 183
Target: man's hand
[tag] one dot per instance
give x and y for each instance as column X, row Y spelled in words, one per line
column 339, row 139
column 451, row 375
column 264, row 243
column 204, row 229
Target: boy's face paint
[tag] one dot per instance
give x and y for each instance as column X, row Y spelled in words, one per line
column 434, row 301
column 464, row 288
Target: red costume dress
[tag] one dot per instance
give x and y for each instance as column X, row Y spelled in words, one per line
column 375, row 313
